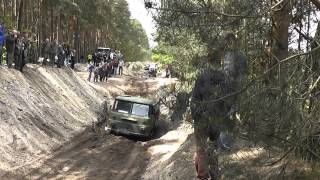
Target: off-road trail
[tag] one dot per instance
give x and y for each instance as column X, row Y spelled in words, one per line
column 47, row 133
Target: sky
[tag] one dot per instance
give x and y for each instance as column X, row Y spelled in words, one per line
column 139, row 12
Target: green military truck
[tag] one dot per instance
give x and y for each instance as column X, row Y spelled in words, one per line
column 133, row 115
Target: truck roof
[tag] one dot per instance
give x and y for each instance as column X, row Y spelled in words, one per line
column 136, row 99
column 104, row 48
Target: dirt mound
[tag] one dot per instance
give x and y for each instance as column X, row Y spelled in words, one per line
column 40, row 110
column 172, row 155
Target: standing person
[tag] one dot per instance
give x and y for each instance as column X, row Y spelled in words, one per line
column 115, row 66
column 26, row 46
column 152, row 70
column 210, row 116
column 109, row 69
column 10, row 45
column 90, row 70
column 120, row 55
column 20, row 52
column 61, row 56
column 67, row 52
column 54, row 53
column 32, row 50
column 213, row 116
column 73, row 58
column 46, row 51
column 95, row 59
column 111, row 56
column 112, row 66
column 89, row 58
column 2, row 38
column 121, row 64
column 105, row 72
column 168, row 70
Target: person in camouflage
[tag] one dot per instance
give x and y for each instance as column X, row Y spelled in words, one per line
column 20, row 52
column 210, row 117
column 33, row 54
column 212, row 104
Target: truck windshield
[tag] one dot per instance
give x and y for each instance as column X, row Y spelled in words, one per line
column 140, row 110
column 132, row 108
column 123, row 106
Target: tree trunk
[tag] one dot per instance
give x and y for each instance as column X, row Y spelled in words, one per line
column 281, row 19
column 76, row 40
column 52, row 24
column 20, row 17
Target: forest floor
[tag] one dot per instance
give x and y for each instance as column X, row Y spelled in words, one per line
column 46, row 132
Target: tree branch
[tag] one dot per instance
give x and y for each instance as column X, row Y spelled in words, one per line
column 205, row 12
column 259, row 77
column 316, row 3
column 303, row 35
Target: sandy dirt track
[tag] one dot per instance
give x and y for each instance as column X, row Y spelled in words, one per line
column 50, row 112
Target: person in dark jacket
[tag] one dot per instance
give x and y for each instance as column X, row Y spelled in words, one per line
column 213, row 104
column 46, row 50
column 54, row 53
column 10, row 45
column 210, row 118
column 19, row 52
column 61, row 56
column 73, row 58
column 210, row 114
column 95, row 59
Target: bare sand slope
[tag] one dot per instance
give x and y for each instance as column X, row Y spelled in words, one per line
column 39, row 111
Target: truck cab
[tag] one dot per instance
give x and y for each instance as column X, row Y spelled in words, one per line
column 133, row 115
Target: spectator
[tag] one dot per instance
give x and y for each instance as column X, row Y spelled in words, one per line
column 32, row 50
column 89, row 58
column 54, row 53
column 46, row 50
column 121, row 64
column 95, row 60
column 120, row 56
column 72, row 58
column 61, row 56
column 10, row 45
column 90, row 70
column 2, row 38
column 168, row 70
column 20, row 52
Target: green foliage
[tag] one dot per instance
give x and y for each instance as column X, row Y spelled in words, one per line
column 86, row 23
column 112, row 18
column 284, row 117
column 161, row 57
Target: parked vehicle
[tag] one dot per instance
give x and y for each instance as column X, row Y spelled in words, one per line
column 102, row 54
column 134, row 115
column 151, row 70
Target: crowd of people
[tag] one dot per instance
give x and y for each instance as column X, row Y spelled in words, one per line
column 19, row 48
column 104, row 65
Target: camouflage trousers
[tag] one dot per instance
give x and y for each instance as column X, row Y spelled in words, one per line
column 206, row 158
